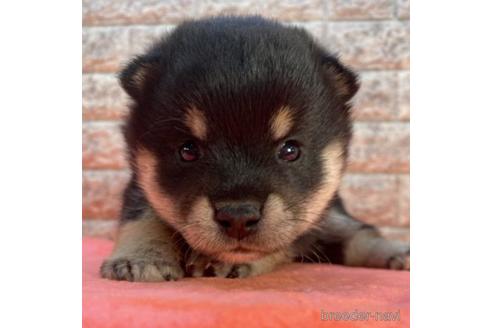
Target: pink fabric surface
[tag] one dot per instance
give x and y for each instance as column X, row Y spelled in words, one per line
column 293, row 296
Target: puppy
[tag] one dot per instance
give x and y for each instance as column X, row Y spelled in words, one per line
column 237, row 138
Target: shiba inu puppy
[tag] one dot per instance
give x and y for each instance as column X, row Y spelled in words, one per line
column 237, row 138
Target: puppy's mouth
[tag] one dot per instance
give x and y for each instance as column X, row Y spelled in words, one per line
column 241, row 249
column 205, row 233
column 240, row 254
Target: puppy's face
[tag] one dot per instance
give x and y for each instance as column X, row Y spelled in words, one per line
column 241, row 155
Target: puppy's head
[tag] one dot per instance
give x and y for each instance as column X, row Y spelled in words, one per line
column 238, row 133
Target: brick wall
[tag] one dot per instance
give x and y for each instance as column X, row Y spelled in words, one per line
column 370, row 35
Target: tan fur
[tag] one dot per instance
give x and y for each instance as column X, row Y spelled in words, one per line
column 161, row 202
column 270, row 262
column 275, row 207
column 200, row 227
column 333, row 163
column 144, row 251
column 196, row 122
column 201, row 210
column 281, row 123
column 238, row 257
column 276, row 216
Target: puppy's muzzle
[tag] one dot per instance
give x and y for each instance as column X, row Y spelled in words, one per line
column 238, row 220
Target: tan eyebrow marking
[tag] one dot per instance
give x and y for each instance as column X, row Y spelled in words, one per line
column 281, row 122
column 195, row 120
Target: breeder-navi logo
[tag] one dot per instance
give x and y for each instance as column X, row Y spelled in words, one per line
column 357, row 315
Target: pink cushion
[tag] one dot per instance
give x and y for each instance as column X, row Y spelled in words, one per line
column 295, row 295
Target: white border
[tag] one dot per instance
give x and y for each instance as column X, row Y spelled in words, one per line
column 40, row 175
column 451, row 163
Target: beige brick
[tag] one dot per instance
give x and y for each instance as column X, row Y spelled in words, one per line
column 103, row 146
column 284, row 10
column 208, row 8
column 371, row 45
column 126, row 12
column 295, row 10
column 104, row 49
column 394, row 233
column 403, row 9
column 404, row 95
column 99, row 228
column 372, row 198
column 107, row 49
column 102, row 194
column 376, row 99
column 380, row 147
column 404, row 199
column 102, row 97
column 360, row 9
column 142, row 37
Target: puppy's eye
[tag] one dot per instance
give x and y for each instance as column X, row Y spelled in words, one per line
column 189, row 152
column 290, row 151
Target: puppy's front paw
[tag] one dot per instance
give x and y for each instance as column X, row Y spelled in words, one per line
column 400, row 261
column 202, row 266
column 138, row 269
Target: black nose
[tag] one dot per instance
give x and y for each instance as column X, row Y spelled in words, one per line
column 238, row 219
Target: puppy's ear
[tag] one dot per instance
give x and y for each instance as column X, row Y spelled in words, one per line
column 344, row 80
column 136, row 75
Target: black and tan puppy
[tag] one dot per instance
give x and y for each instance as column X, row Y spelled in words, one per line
column 237, row 139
